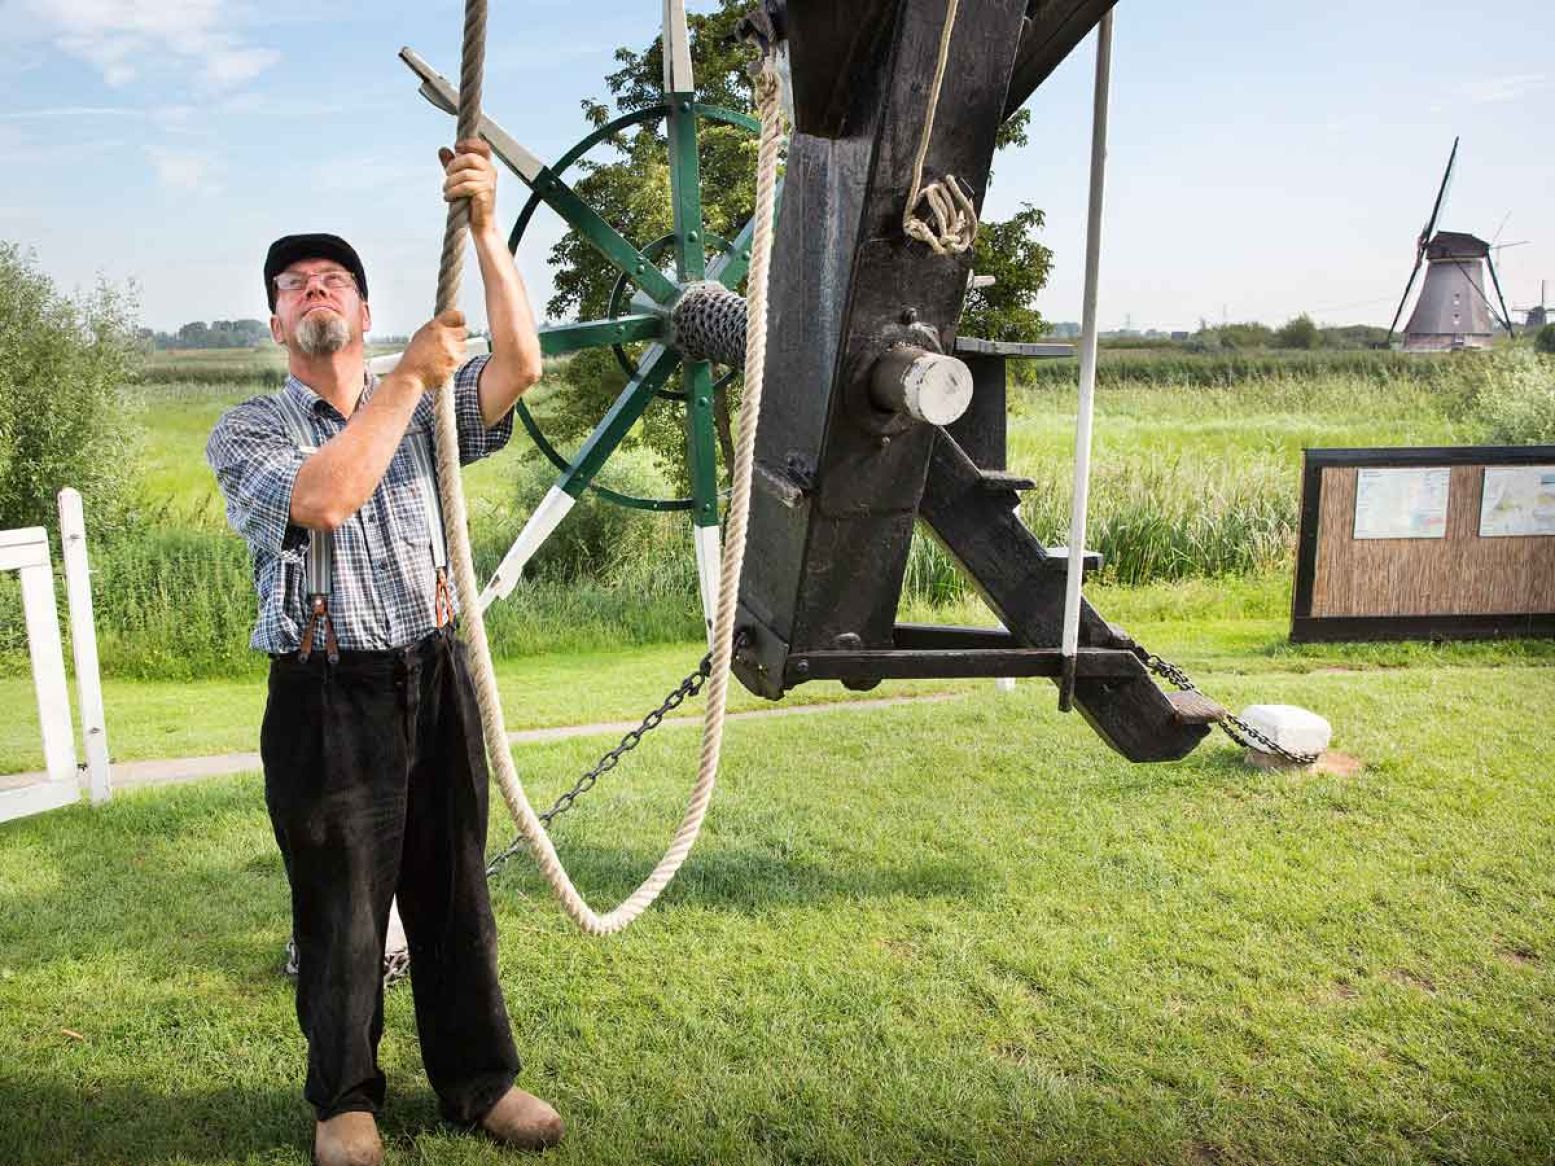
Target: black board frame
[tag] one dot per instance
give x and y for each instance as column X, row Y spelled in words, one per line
column 1307, row 628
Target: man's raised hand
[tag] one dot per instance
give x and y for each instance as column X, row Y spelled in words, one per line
column 435, row 351
column 469, row 173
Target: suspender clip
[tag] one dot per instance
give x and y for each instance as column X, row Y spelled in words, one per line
column 317, row 616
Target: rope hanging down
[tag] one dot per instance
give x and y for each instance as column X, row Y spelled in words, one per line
column 950, row 202
column 451, row 490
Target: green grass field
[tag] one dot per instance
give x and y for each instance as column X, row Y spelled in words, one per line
column 960, row 932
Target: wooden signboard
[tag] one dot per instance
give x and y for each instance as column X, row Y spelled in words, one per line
column 1443, row 543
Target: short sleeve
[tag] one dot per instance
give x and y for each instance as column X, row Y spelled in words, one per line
column 256, row 463
column 475, row 439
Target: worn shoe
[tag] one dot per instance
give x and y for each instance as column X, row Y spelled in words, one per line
column 523, row 1121
column 347, row 1139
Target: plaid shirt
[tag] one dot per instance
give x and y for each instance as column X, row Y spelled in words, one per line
column 383, row 587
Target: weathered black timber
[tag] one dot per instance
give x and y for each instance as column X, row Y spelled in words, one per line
column 831, row 46
column 839, row 482
column 833, row 507
column 1005, row 561
column 1054, row 28
column 931, row 664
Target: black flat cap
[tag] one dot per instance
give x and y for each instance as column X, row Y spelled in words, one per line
column 290, row 248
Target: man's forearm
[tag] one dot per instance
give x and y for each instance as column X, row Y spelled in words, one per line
column 515, row 344
column 335, row 482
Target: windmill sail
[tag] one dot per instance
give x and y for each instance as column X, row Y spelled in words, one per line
column 1424, row 240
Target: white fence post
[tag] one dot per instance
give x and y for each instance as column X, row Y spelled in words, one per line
column 83, row 643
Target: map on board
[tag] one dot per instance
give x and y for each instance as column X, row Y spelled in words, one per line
column 1517, row 500
column 1401, row 503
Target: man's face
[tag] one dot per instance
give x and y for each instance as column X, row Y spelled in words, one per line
column 315, row 318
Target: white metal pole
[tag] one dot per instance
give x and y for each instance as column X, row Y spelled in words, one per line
column 1082, row 437
column 83, row 642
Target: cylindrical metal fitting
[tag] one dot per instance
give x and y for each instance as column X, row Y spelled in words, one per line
column 709, row 324
column 927, row 386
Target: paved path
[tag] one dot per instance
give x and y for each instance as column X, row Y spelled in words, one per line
column 139, row 774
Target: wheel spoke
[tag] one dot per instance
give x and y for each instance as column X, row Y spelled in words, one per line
column 657, row 364
column 685, row 169
column 730, row 267
column 701, row 442
column 564, row 338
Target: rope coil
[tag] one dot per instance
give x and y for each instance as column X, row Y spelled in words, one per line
column 950, row 200
column 451, row 491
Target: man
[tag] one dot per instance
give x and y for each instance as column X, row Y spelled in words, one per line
column 375, row 770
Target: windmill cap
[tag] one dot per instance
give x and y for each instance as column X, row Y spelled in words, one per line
column 289, row 249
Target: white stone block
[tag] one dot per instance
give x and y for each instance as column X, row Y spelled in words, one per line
column 395, row 942
column 1295, row 729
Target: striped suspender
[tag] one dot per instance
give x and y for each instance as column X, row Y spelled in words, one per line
column 321, row 549
column 320, row 564
column 421, row 453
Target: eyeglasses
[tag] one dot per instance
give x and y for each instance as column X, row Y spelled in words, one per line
column 291, row 281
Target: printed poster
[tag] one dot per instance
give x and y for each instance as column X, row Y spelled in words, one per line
column 1517, row 501
column 1401, row 503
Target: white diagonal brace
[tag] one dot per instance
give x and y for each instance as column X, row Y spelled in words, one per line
column 441, row 93
column 678, row 77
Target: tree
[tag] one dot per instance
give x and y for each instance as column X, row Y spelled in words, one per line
column 1299, row 332
column 63, row 365
column 1544, row 339
column 632, row 192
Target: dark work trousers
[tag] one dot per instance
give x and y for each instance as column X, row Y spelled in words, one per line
column 376, row 782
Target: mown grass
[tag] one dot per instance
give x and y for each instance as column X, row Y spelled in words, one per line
column 1234, row 626
column 955, row 933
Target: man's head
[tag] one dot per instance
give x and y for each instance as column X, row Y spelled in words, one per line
column 317, row 291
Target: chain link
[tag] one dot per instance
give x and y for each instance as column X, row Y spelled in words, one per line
column 689, row 687
column 1234, row 727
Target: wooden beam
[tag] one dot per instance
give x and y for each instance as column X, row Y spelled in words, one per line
column 1050, row 35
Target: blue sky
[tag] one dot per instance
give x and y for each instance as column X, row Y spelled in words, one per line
column 1265, row 159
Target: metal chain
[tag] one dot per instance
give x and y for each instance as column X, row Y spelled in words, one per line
column 1233, row 726
column 688, row 687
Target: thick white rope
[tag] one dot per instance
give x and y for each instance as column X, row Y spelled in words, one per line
column 955, row 218
column 451, row 489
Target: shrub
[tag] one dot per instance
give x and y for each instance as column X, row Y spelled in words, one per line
column 1544, row 339
column 1299, row 332
column 63, row 365
column 1514, row 395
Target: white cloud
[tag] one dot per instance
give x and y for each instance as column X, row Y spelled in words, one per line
column 1508, row 88
column 185, row 172
column 124, row 38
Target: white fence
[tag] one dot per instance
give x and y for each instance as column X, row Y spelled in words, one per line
column 26, row 552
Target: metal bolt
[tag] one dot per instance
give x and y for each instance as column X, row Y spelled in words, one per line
column 884, row 441
column 802, row 667
column 691, row 236
column 909, row 315
column 638, row 270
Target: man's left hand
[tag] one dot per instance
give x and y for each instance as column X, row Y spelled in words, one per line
column 469, row 174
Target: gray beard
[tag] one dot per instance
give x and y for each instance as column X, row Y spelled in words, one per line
column 322, row 334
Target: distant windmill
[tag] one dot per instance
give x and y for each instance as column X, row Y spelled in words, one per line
column 1453, row 310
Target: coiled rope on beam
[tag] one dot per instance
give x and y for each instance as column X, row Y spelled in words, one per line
column 451, row 490
column 949, row 201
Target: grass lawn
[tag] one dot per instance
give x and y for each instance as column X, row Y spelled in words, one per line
column 958, row 932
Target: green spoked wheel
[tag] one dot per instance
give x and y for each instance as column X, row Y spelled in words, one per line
column 639, row 306
column 650, row 279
